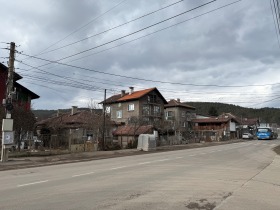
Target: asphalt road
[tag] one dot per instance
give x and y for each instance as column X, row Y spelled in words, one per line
column 232, row 176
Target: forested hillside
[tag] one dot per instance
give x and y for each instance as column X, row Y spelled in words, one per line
column 265, row 114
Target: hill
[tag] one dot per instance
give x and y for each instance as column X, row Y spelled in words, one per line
column 271, row 115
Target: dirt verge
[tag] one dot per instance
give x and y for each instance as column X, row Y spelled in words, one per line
column 277, row 150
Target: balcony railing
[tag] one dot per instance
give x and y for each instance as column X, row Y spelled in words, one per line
column 209, row 128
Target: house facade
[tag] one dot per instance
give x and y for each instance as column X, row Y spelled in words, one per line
column 72, row 130
column 23, row 95
column 179, row 115
column 145, row 105
column 216, row 128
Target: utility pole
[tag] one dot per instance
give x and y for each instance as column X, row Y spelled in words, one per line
column 7, row 124
column 104, row 120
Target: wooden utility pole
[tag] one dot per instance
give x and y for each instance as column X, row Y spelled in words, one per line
column 7, row 125
column 104, row 122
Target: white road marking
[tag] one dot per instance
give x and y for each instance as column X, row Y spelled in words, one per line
column 32, row 183
column 118, row 167
column 83, row 174
column 161, row 160
column 144, row 163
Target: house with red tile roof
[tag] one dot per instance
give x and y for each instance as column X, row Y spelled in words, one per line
column 147, row 105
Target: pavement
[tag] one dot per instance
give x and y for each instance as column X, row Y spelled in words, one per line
column 38, row 161
column 260, row 192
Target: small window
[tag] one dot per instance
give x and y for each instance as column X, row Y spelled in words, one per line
column 119, row 104
column 119, row 114
column 156, row 110
column 130, row 107
column 183, row 124
column 183, row 114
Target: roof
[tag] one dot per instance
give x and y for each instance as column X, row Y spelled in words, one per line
column 79, row 119
column 129, row 130
column 211, row 120
column 18, row 77
column 133, row 96
column 247, row 121
column 32, row 94
column 176, row 103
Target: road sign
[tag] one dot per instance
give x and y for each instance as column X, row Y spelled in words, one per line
column 8, row 137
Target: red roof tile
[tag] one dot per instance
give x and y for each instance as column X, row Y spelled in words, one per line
column 133, row 96
column 136, row 94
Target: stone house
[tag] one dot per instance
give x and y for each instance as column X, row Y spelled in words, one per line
column 65, row 130
column 179, row 115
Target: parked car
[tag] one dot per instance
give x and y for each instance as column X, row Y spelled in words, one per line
column 247, row 136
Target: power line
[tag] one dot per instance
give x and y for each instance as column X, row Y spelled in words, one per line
column 76, row 30
column 145, row 28
column 63, row 77
column 135, row 32
column 148, row 80
column 150, row 33
column 276, row 25
column 115, row 27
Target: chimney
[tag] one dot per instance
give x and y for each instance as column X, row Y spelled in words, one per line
column 74, row 110
column 178, row 100
column 131, row 90
column 122, row 93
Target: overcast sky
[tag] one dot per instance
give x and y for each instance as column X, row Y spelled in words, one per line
column 230, row 55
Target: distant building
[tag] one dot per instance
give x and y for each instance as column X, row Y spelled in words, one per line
column 23, row 95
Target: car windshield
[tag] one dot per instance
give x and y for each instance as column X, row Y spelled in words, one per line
column 263, row 130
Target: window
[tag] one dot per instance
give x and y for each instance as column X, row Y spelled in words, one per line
column 183, row 114
column 119, row 114
column 152, row 98
column 119, row 104
column 146, row 110
column 156, row 110
column 183, row 124
column 169, row 115
column 130, row 107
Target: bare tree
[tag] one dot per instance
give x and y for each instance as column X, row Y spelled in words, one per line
column 24, row 121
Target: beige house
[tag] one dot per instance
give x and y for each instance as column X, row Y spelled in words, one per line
column 145, row 106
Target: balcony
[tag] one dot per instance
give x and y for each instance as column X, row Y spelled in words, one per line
column 209, row 128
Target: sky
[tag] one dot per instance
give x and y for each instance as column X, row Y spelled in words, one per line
column 70, row 51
